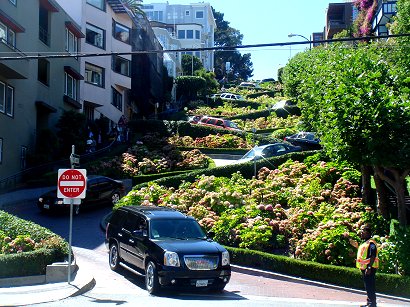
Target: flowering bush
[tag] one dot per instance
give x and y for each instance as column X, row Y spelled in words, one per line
column 210, row 141
column 367, row 9
column 154, row 155
column 22, row 243
column 311, row 211
column 270, row 122
column 227, row 110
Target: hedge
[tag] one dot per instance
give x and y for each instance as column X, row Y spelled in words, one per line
column 28, row 263
column 337, row 275
column 247, row 169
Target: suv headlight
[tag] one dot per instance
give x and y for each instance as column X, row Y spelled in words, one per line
column 225, row 258
column 171, row 259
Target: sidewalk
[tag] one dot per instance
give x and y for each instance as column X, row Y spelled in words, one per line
column 82, row 282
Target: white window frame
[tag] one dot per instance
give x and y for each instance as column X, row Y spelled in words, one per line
column 124, row 65
column 116, row 103
column 196, row 14
column 99, row 38
column 23, row 157
column 70, row 83
column 10, row 95
column 9, row 36
column 91, row 73
column 1, row 150
column 118, row 30
column 2, row 97
column 182, row 36
column 99, row 4
column 71, row 41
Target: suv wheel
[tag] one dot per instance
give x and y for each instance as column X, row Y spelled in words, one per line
column 115, row 198
column 218, row 289
column 114, row 257
column 151, row 278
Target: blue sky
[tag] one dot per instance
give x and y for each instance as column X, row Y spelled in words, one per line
column 270, row 21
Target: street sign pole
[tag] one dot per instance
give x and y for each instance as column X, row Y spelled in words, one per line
column 71, row 187
column 71, row 221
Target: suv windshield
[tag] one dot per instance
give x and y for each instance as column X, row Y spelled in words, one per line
column 176, row 229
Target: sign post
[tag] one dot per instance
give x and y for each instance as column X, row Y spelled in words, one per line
column 72, row 186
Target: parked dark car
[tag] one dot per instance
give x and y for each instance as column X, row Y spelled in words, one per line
column 100, row 191
column 168, row 247
column 268, row 151
column 306, row 140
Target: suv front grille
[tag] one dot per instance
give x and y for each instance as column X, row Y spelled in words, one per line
column 201, row 263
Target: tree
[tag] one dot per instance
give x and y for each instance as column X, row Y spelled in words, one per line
column 72, row 130
column 211, row 85
column 189, row 86
column 226, row 36
column 190, row 64
column 358, row 101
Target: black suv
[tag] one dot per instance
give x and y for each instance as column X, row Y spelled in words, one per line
column 168, row 247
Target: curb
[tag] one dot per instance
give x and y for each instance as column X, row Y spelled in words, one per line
column 269, row 274
column 87, row 287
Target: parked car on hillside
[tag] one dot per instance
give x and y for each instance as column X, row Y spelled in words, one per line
column 101, row 191
column 268, row 151
column 249, row 85
column 306, row 140
column 194, row 119
column 166, row 246
column 217, row 123
column 229, row 96
column 283, row 104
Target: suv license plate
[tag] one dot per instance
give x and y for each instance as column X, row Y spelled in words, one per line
column 202, row 283
column 46, row 206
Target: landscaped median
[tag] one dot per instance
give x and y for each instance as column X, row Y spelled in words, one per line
column 26, row 249
column 391, row 284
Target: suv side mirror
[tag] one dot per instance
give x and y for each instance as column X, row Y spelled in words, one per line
column 210, row 234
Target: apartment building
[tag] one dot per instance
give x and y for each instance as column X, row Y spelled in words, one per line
column 107, row 78
column 385, row 12
column 168, row 41
column 119, row 86
column 193, row 25
column 35, row 89
column 339, row 16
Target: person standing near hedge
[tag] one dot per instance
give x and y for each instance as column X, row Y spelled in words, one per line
column 368, row 262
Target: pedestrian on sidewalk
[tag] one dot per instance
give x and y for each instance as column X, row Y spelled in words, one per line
column 368, row 262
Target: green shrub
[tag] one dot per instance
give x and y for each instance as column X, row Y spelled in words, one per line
column 14, row 227
column 28, row 263
column 281, row 133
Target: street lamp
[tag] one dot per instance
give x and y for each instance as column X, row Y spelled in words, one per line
column 308, row 39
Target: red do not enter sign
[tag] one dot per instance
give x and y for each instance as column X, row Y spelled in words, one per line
column 72, row 183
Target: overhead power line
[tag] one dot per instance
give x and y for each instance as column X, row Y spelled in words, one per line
column 52, row 55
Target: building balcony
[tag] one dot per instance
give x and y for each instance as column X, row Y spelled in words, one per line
column 386, row 10
column 12, row 69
